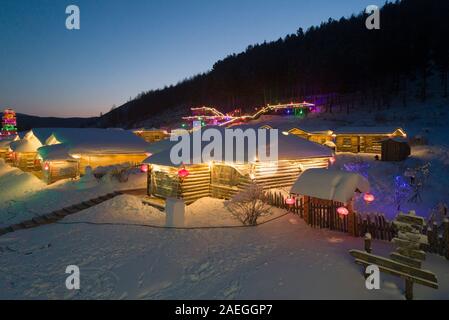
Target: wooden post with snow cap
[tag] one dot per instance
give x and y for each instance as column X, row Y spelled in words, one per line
column 368, row 238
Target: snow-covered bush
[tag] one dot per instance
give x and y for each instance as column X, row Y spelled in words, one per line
column 248, row 205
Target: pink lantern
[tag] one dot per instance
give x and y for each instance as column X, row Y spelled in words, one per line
column 144, row 168
column 183, row 173
column 343, row 211
column 290, row 201
column 368, row 197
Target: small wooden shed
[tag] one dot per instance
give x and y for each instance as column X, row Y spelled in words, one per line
column 395, row 149
column 324, row 191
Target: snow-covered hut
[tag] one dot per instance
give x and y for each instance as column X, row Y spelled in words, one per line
column 328, row 194
column 222, row 178
column 5, row 150
column 364, row 139
column 69, row 151
column 334, row 185
column 24, row 151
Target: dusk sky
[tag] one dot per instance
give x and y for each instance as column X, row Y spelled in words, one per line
column 128, row 46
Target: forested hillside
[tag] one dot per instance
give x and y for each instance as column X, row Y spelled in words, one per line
column 338, row 59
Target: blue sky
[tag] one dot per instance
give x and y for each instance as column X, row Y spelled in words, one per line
column 125, row 47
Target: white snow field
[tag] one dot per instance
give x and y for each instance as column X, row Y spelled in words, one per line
column 23, row 196
column 281, row 259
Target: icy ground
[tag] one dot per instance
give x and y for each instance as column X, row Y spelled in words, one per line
column 282, row 259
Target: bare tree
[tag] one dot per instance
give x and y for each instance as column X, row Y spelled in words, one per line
column 249, row 204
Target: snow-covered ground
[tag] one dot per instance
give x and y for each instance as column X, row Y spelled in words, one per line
column 23, row 196
column 121, row 257
column 283, row 258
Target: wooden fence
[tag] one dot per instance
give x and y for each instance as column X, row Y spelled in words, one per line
column 323, row 215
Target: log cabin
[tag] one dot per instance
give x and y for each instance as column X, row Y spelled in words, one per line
column 364, row 139
column 152, row 135
column 222, row 178
column 67, row 152
column 321, row 136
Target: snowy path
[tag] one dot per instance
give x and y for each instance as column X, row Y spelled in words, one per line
column 281, row 259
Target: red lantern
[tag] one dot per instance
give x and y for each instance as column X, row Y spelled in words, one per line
column 183, row 173
column 46, row 166
column 144, row 168
column 290, row 201
column 368, row 197
column 343, row 211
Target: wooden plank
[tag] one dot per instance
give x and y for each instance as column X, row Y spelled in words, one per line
column 416, row 254
column 406, row 243
column 394, row 265
column 403, row 275
column 406, row 260
column 410, row 219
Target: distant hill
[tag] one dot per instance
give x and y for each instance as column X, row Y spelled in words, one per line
column 339, row 58
column 27, row 122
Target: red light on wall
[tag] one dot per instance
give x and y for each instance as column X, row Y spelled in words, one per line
column 368, row 197
column 144, row 168
column 290, row 201
column 343, row 211
column 183, row 173
column 46, row 166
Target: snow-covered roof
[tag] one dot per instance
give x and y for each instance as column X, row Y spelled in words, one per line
column 29, row 143
column 56, row 152
column 95, row 141
column 42, row 134
column 290, row 147
column 161, row 145
column 4, row 143
column 330, row 184
column 367, row 130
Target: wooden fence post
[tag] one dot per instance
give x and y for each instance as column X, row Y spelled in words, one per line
column 352, row 219
column 408, row 289
column 306, row 206
column 368, row 243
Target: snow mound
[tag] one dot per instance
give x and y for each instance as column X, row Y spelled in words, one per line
column 15, row 183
